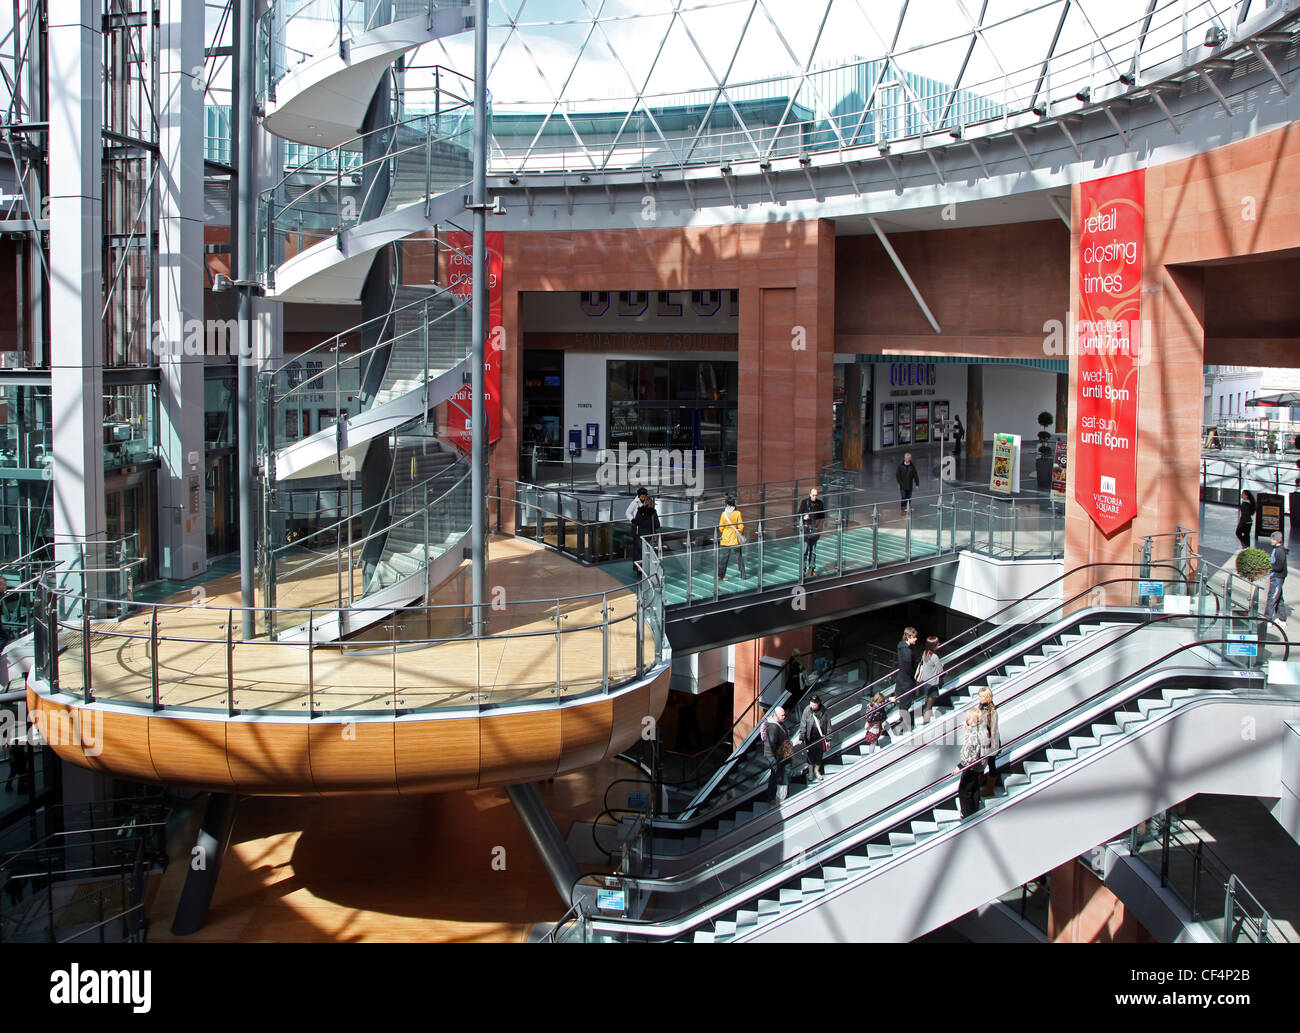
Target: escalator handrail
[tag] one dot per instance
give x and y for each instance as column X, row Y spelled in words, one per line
column 979, row 645
column 826, row 850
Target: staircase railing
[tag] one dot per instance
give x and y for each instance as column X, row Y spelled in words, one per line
column 292, row 32
column 286, row 388
column 418, row 158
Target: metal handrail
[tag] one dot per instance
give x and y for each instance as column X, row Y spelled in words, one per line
column 838, row 842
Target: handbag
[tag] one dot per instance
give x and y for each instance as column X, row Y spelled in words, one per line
column 873, row 732
column 787, row 750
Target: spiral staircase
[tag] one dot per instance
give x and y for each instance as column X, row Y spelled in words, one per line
column 394, row 161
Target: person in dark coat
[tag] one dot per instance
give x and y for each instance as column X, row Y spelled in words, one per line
column 907, row 662
column 812, row 511
column 646, row 521
column 1245, row 517
column 813, row 732
column 907, row 478
column 775, row 738
column 958, row 432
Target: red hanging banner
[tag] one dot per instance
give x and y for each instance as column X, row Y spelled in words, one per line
column 460, row 246
column 1109, row 346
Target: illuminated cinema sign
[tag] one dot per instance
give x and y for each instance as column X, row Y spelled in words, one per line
column 1109, row 346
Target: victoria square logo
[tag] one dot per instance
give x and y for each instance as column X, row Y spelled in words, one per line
column 654, row 467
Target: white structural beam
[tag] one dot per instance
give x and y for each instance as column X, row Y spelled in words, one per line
column 898, row 264
column 75, row 50
column 182, row 524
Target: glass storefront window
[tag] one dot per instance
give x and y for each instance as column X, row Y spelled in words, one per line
column 25, row 427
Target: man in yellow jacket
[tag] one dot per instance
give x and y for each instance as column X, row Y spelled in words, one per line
column 731, row 537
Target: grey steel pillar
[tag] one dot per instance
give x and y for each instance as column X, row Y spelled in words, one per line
column 242, row 247
column 183, row 531
column 478, row 328
column 76, row 89
column 205, row 864
column 554, row 852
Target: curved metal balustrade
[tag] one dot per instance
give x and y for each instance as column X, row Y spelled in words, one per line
column 191, row 659
column 408, row 163
column 292, row 32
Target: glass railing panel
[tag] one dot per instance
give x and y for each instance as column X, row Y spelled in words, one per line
column 439, row 675
column 622, row 642
column 582, row 654
column 191, row 658
column 269, row 678
column 352, row 679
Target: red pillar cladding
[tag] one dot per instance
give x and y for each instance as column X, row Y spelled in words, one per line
column 1109, row 343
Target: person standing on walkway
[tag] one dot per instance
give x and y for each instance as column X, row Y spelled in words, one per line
column 731, row 537
column 1245, row 517
column 777, row 751
column 989, row 715
column 633, row 508
column 812, row 511
column 958, row 432
column 1276, row 579
column 908, row 479
column 645, row 524
column 813, row 731
column 974, row 748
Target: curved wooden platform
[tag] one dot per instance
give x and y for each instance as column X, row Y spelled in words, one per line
column 327, row 756
column 459, row 714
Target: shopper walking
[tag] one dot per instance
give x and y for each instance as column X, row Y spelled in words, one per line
column 633, row 508
column 777, row 751
column 989, row 715
column 929, row 675
column 908, row 479
column 1276, row 580
column 973, row 750
column 1245, row 517
column 645, row 524
column 813, row 732
column 958, row 432
column 812, row 511
column 731, row 538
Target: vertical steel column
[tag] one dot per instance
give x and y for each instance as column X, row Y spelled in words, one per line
column 245, row 59
column 479, row 458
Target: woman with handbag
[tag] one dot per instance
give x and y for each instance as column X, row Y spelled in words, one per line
column 813, row 730
column 877, row 733
column 731, row 536
column 974, row 747
column 989, row 715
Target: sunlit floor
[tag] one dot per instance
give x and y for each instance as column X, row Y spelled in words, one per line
column 454, row 867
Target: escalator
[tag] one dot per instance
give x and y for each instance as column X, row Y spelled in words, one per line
column 855, row 856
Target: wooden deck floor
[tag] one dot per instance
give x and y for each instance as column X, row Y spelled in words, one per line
column 382, row 869
column 373, row 675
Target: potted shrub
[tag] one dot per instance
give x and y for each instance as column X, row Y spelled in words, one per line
column 1253, row 564
column 1043, row 464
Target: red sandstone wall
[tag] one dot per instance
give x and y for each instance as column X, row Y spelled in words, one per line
column 990, row 288
column 1083, row 910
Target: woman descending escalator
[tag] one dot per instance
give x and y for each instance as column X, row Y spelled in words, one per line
column 989, row 715
column 970, row 764
column 877, row 733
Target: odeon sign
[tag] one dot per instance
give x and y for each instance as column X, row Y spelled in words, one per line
column 912, row 374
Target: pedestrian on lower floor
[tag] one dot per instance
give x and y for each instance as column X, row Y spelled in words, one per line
column 1277, row 570
column 908, row 480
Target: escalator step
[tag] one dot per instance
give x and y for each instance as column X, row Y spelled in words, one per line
column 811, row 885
column 746, row 917
column 790, row 895
column 901, row 839
column 856, row 862
column 1057, row 757
column 947, row 817
column 875, row 850
column 1036, row 767
column 1012, row 781
column 703, row 936
column 833, row 874
column 768, row 906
